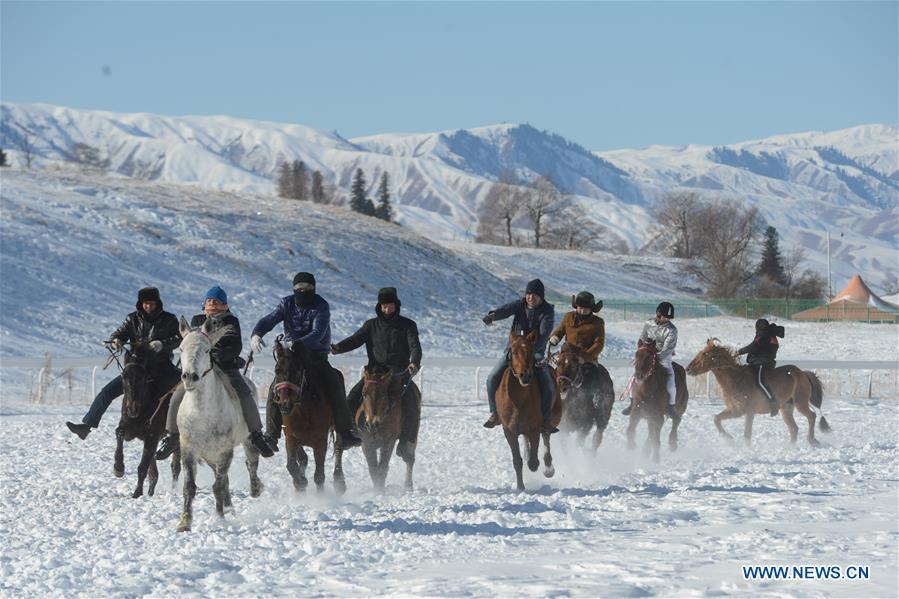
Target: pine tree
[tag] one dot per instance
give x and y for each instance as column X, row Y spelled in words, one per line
column 299, row 181
column 771, row 265
column 3, row 161
column 384, row 211
column 285, row 179
column 318, row 188
column 358, row 200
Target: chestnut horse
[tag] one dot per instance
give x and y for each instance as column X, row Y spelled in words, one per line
column 789, row 385
column 518, row 407
column 583, row 404
column 380, row 421
column 650, row 398
column 143, row 417
column 306, row 418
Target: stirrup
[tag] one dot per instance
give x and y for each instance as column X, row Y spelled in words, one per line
column 627, row 411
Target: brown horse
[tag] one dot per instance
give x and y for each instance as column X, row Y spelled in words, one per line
column 518, row 407
column 650, row 398
column 380, row 421
column 143, row 417
column 306, row 419
column 583, row 404
column 790, row 386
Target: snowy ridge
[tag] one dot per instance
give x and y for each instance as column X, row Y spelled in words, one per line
column 804, row 184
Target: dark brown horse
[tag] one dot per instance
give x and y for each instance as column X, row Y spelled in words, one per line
column 650, row 398
column 583, row 404
column 306, row 418
column 141, row 419
column 380, row 421
column 790, row 386
column 518, row 407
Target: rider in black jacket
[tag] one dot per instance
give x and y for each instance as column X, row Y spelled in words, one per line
column 149, row 323
column 763, row 354
column 391, row 341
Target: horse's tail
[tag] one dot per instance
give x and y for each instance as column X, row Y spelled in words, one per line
column 816, row 398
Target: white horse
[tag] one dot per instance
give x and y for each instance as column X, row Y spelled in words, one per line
column 210, row 422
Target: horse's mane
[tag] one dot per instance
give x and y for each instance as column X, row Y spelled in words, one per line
column 725, row 353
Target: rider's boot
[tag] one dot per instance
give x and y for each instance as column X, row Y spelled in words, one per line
column 169, row 444
column 627, row 411
column 492, row 421
column 259, row 441
column 349, row 439
column 548, row 428
column 774, row 405
column 80, row 429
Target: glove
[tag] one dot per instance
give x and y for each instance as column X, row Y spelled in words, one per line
column 256, row 344
column 156, row 345
column 413, row 369
column 554, row 341
column 334, row 349
column 488, row 320
column 115, row 342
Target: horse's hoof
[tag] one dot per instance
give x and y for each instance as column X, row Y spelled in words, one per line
column 672, row 447
column 118, row 471
column 549, row 471
column 184, row 524
column 256, row 490
column 137, row 494
column 340, row 486
column 631, row 445
column 814, row 443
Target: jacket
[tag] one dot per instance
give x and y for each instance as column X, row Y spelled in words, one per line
column 391, row 342
column 226, row 353
column 763, row 349
column 665, row 336
column 540, row 319
column 158, row 326
column 309, row 325
column 588, row 333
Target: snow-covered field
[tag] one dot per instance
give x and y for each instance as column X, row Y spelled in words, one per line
column 609, row 525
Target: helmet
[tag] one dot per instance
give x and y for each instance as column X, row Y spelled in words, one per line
column 665, row 309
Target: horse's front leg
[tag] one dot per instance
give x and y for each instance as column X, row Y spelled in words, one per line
column 339, row 480
column 410, row 462
column 190, row 490
column 548, row 468
column 655, row 437
column 176, row 467
column 318, row 454
column 632, row 429
column 154, row 476
column 220, row 486
column 672, row 436
column 517, row 463
column 296, row 465
column 118, row 467
column 533, row 447
column 146, row 459
column 726, row 414
column 370, row 451
column 252, row 461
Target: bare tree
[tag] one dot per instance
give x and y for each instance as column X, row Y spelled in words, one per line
column 501, row 207
column 677, row 215
column 727, row 235
column 24, row 141
column 87, row 156
column 569, row 230
column 539, row 202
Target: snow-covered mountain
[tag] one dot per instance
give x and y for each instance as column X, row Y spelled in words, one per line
column 804, row 184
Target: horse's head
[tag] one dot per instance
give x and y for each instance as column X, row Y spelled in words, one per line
column 645, row 360
column 376, row 394
column 196, row 351
column 568, row 369
column 712, row 356
column 135, row 379
column 521, row 356
column 290, row 374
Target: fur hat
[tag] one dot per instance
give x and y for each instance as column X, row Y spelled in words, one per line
column 585, row 299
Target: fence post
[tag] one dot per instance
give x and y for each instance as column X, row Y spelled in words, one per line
column 625, row 311
column 421, row 383
column 477, row 383
column 870, row 383
column 40, row 386
column 93, row 383
column 708, row 385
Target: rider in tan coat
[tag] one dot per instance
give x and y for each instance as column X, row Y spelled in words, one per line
column 581, row 328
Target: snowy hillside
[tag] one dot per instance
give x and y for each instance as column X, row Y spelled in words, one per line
column 76, row 247
column 804, row 184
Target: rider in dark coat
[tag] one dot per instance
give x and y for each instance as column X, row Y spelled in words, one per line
column 530, row 313
column 306, row 318
column 149, row 323
column 762, row 354
column 226, row 356
column 391, row 342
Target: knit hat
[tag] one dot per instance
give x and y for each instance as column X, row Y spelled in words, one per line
column 761, row 324
column 585, row 299
column 304, row 279
column 387, row 295
column 535, row 287
column 148, row 294
column 217, row 293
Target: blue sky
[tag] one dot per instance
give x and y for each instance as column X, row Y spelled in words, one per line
column 605, row 74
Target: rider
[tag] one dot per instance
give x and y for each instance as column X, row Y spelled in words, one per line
column 585, row 332
column 148, row 323
column 306, row 318
column 763, row 354
column 391, row 342
column 531, row 313
column 661, row 330
column 226, row 356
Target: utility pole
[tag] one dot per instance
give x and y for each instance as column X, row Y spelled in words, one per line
column 829, row 279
